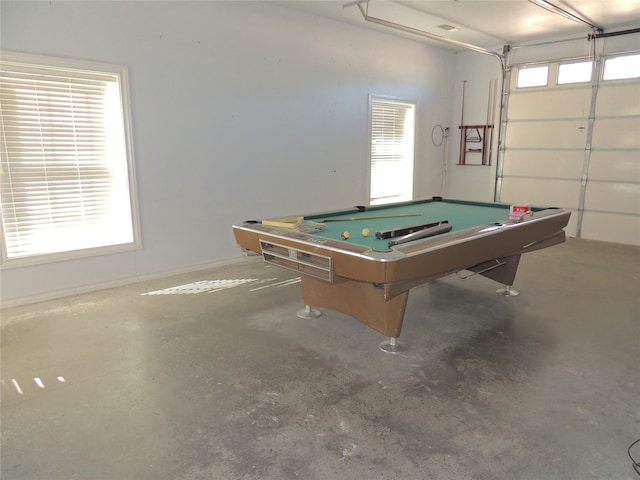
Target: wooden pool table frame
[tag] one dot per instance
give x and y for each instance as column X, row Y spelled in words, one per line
column 373, row 286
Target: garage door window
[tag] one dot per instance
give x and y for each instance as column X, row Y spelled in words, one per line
column 577, row 72
column 622, row 67
column 533, row 76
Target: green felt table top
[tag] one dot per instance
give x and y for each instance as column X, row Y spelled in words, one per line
column 460, row 215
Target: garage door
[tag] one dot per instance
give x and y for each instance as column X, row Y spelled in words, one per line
column 572, row 140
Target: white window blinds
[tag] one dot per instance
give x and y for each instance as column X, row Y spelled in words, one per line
column 392, row 151
column 65, row 172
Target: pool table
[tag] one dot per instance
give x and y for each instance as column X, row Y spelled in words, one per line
column 369, row 278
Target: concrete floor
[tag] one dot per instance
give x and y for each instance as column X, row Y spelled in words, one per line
column 230, row 384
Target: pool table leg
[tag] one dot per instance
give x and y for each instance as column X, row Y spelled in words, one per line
column 507, row 291
column 308, row 313
column 392, row 346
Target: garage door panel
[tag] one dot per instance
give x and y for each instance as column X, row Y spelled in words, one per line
column 618, row 100
column 554, row 193
column 561, row 150
column 613, row 197
column 538, row 163
column 552, row 134
column 615, row 166
column 616, row 133
column 609, row 227
column 563, row 103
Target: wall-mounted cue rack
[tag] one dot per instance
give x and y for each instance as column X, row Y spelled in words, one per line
column 477, row 140
column 474, row 139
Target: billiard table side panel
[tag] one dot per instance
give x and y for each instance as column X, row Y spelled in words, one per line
column 348, row 262
column 247, row 240
column 352, row 266
column 362, row 301
column 502, row 270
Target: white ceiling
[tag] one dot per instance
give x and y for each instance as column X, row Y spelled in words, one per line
column 489, row 24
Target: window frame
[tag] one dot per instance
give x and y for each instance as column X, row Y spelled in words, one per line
column 392, row 100
column 121, row 73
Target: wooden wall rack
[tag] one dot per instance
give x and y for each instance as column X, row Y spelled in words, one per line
column 475, row 140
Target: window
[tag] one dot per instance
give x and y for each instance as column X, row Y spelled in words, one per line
column 392, row 148
column 533, row 76
column 66, row 163
column 574, row 72
column 622, row 67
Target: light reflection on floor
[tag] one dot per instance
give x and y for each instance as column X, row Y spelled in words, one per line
column 37, row 380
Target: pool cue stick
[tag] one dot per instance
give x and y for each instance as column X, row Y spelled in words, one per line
column 493, row 118
column 486, row 127
column 407, row 229
column 427, row 232
column 463, row 132
column 371, row 217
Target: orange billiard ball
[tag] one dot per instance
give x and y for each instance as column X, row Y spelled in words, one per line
column 345, row 235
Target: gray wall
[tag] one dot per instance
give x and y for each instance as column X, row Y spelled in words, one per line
column 240, row 110
column 471, row 182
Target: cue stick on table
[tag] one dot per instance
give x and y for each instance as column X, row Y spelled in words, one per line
column 370, row 217
column 407, row 229
column 427, row 232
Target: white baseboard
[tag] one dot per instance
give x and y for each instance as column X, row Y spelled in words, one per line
column 43, row 297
